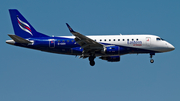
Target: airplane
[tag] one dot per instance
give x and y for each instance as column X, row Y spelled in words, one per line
column 106, row 47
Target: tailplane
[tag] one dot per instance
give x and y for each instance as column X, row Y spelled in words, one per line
column 19, row 39
column 22, row 27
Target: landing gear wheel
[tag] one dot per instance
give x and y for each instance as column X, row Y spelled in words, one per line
column 92, row 63
column 152, row 61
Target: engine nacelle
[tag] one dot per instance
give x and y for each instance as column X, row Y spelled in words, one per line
column 111, row 58
column 111, row 50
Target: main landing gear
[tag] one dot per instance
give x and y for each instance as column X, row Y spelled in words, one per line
column 151, row 55
column 91, row 60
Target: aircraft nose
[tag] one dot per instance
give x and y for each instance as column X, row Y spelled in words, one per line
column 171, row 47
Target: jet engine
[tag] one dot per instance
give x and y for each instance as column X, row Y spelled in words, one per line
column 111, row 58
column 111, row 50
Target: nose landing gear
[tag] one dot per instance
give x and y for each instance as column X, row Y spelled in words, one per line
column 151, row 55
column 152, row 61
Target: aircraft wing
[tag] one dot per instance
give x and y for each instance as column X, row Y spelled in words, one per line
column 86, row 43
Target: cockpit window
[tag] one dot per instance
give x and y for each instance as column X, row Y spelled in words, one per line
column 159, row 39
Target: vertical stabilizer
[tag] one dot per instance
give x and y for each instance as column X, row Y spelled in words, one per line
column 22, row 27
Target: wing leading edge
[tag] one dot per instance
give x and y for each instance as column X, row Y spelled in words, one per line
column 85, row 42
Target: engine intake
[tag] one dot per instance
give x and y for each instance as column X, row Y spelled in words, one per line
column 111, row 50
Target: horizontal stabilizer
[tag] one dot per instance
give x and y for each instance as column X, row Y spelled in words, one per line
column 19, row 39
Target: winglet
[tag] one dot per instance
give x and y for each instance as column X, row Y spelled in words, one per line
column 70, row 29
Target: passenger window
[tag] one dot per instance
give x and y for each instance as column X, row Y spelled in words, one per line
column 118, row 39
column 58, row 40
column 114, row 39
column 109, row 39
column 104, row 39
column 127, row 39
column 63, row 41
column 132, row 39
column 136, row 39
column 67, row 40
column 72, row 40
column 100, row 40
column 95, row 40
column 123, row 39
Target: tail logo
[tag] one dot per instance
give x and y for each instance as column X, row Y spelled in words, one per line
column 24, row 26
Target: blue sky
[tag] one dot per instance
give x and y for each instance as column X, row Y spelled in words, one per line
column 31, row 75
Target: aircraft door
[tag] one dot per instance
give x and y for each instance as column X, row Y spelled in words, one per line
column 148, row 41
column 51, row 43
